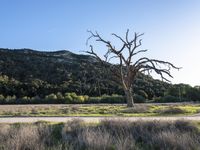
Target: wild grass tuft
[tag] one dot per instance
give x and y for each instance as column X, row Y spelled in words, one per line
column 108, row 135
column 170, row 111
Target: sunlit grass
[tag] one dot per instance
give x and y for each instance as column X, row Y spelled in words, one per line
column 99, row 110
column 190, row 108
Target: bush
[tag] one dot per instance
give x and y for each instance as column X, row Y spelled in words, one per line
column 113, row 99
column 10, row 99
column 139, row 99
column 37, row 100
column 79, row 99
column 86, row 98
column 67, row 98
column 73, row 98
column 25, row 100
column 2, row 99
column 167, row 99
column 171, row 110
column 51, row 98
column 59, row 96
column 73, row 95
column 94, row 100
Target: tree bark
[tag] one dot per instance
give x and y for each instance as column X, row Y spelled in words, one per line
column 129, row 97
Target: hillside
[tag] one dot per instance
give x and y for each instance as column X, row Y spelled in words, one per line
column 26, row 72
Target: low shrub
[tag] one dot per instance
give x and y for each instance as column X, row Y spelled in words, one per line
column 166, row 99
column 113, row 99
column 10, row 99
column 51, row 98
column 79, row 99
column 2, row 99
column 170, row 110
column 68, row 98
column 72, row 98
column 93, row 100
column 169, row 99
column 139, row 99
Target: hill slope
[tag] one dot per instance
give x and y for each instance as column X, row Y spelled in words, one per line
column 26, row 72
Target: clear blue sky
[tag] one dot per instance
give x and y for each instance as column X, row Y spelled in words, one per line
column 171, row 27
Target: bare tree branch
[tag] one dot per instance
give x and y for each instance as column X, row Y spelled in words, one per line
column 126, row 71
column 127, row 36
column 91, row 52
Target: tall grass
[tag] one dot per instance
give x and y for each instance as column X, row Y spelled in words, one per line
column 107, row 135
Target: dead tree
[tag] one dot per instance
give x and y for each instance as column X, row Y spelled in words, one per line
column 127, row 68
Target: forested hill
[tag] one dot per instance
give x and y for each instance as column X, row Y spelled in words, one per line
column 26, row 72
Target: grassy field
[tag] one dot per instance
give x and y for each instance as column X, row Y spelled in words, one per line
column 107, row 135
column 100, row 110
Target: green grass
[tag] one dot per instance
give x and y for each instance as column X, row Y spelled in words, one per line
column 100, row 110
column 190, row 108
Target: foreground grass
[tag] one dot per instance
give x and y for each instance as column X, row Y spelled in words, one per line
column 107, row 135
column 99, row 110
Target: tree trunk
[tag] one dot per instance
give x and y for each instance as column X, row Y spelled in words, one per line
column 129, row 97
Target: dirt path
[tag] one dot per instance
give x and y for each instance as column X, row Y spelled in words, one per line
column 91, row 119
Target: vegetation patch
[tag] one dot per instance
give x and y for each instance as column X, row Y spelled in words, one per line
column 99, row 110
column 190, row 108
column 108, row 134
column 53, row 77
column 137, row 109
column 170, row 111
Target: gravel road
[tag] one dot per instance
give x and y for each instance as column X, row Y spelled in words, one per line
column 91, row 119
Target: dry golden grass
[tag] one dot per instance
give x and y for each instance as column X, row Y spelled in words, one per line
column 108, row 135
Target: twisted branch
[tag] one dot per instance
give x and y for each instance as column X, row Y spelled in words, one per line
column 126, row 69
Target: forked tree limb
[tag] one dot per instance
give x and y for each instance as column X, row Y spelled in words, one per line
column 131, row 46
column 128, row 68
